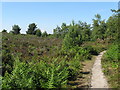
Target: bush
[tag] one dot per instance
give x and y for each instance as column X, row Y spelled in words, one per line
column 44, row 34
column 38, row 32
column 7, row 60
column 112, row 53
column 4, row 30
column 111, row 65
column 54, row 74
column 72, row 39
column 91, row 50
column 74, row 57
column 83, row 54
column 73, row 68
column 36, row 75
column 22, row 76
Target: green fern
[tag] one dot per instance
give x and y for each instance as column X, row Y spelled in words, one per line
column 55, row 74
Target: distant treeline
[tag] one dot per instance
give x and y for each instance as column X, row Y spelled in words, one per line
column 32, row 29
column 99, row 29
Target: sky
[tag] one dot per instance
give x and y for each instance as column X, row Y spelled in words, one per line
column 47, row 15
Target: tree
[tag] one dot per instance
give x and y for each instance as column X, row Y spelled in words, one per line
column 86, row 33
column 56, row 31
column 4, row 30
column 99, row 28
column 64, row 30
column 95, row 27
column 98, row 17
column 72, row 38
column 112, row 26
column 60, row 32
column 116, row 11
column 31, row 28
column 44, row 34
column 38, row 32
column 16, row 29
column 102, row 29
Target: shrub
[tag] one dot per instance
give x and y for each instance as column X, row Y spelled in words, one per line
column 4, row 30
column 112, row 53
column 44, row 34
column 91, row 50
column 22, row 76
column 74, row 56
column 72, row 39
column 73, row 67
column 38, row 32
column 7, row 60
column 54, row 74
column 36, row 75
column 83, row 54
column 111, row 65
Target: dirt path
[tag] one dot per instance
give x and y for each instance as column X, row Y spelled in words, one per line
column 98, row 79
column 84, row 78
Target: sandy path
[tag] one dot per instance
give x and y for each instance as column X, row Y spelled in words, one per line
column 98, row 79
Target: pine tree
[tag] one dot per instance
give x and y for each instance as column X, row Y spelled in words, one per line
column 31, row 28
column 16, row 29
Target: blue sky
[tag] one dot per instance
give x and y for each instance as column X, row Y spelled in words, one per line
column 47, row 15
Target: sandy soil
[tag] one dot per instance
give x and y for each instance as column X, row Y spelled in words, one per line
column 83, row 80
column 98, row 79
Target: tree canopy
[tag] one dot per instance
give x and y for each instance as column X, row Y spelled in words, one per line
column 31, row 28
column 16, row 29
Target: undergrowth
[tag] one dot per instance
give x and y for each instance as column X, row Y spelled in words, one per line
column 110, row 65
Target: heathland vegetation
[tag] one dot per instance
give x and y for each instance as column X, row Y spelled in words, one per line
column 41, row 60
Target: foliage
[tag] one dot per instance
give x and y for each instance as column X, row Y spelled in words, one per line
column 38, row 32
column 99, row 28
column 73, row 38
column 60, row 32
column 74, row 66
column 55, row 74
column 4, row 30
column 16, row 29
column 33, row 57
column 81, row 27
column 78, row 53
column 7, row 60
column 112, row 27
column 91, row 50
column 11, row 32
column 49, row 61
column 31, row 28
column 57, row 31
column 83, row 54
column 112, row 56
column 112, row 53
column 22, row 76
column 29, row 46
column 44, row 34
column 74, row 57
column 110, row 64
column 36, row 75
